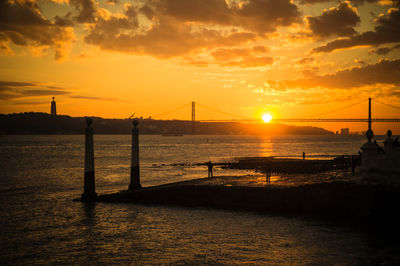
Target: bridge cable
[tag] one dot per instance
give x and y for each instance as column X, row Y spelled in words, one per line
column 340, row 109
column 222, row 112
column 386, row 104
column 173, row 110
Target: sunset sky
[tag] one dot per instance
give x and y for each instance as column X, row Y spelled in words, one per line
column 113, row 58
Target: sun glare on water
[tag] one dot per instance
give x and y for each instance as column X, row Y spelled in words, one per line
column 267, row 118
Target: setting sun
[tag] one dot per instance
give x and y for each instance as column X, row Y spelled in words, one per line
column 267, row 118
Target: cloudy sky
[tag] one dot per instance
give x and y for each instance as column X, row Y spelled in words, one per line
column 112, row 58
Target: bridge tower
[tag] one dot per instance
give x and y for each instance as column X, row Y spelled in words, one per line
column 369, row 149
column 193, row 117
column 370, row 133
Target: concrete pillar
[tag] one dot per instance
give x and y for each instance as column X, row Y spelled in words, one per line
column 89, row 192
column 135, row 169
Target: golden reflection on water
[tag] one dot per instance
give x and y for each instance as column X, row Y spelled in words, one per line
column 129, row 233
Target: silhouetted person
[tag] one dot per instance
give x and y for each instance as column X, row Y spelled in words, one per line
column 268, row 175
column 210, row 169
column 341, row 162
column 304, row 155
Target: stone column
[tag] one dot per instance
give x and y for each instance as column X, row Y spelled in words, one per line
column 89, row 192
column 135, row 169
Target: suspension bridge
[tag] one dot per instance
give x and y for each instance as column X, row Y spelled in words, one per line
column 320, row 118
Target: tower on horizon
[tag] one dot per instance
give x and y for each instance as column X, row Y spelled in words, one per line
column 193, row 117
column 53, row 110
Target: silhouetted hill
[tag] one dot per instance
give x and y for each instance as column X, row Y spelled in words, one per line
column 43, row 123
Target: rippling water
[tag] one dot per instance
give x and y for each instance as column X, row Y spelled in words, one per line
column 40, row 175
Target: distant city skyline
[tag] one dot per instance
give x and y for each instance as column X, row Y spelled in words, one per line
column 250, row 58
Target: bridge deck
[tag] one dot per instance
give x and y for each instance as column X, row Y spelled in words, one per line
column 318, row 120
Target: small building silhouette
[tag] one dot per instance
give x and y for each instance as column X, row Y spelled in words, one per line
column 344, row 131
column 53, row 110
column 381, row 159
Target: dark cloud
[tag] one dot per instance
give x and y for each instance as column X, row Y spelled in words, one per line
column 42, row 92
column 336, row 21
column 31, row 103
column 6, row 95
column 386, row 31
column 14, row 89
column 115, row 25
column 265, row 15
column 179, row 27
column 6, row 84
column 21, row 23
column 65, row 21
column 255, row 15
column 384, row 50
column 383, row 72
column 208, row 11
column 87, row 10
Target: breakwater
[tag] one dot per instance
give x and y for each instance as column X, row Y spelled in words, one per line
column 293, row 166
column 338, row 200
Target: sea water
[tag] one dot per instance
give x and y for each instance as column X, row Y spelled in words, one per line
column 41, row 224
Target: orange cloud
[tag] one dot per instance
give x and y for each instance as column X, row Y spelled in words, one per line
column 383, row 72
column 183, row 27
column 251, row 61
column 22, row 24
column 242, row 57
column 168, row 38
